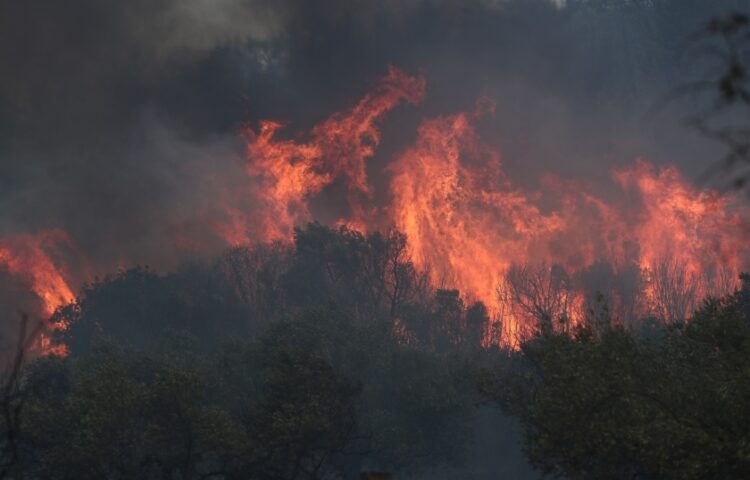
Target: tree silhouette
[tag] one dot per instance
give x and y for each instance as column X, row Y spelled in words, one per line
column 12, row 399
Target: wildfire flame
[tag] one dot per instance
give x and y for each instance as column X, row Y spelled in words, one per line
column 470, row 228
column 25, row 257
column 659, row 248
column 290, row 173
column 463, row 218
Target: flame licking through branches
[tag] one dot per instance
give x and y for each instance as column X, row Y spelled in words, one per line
column 530, row 256
column 694, row 228
column 461, row 215
column 469, row 225
column 470, row 228
column 25, row 257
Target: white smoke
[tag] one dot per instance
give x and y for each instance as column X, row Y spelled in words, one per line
column 193, row 28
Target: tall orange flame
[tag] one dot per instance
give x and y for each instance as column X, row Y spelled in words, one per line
column 662, row 246
column 26, row 257
column 677, row 219
column 289, row 173
column 463, row 218
column 469, row 227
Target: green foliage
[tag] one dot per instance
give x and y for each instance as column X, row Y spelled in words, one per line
column 12, row 399
column 138, row 307
column 413, row 404
column 304, row 417
column 118, row 414
column 420, row 410
column 347, row 361
column 316, row 395
column 351, row 364
column 338, row 356
column 444, row 323
column 608, row 403
column 369, row 276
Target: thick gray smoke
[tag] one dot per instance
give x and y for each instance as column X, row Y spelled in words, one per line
column 118, row 120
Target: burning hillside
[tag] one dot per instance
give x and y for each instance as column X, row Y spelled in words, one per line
column 339, row 239
column 658, row 248
column 471, row 228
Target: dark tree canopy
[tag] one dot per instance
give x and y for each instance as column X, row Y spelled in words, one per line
column 612, row 403
column 333, row 356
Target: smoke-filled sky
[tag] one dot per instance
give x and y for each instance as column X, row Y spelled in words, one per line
column 119, row 120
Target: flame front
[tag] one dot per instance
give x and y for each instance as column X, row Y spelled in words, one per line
column 658, row 249
column 470, row 228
